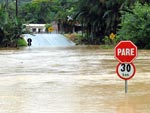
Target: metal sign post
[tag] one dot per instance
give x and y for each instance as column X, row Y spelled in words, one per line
column 126, row 86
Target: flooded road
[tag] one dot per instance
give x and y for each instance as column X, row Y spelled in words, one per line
column 71, row 80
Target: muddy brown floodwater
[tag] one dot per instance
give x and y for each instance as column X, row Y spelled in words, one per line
column 79, row 79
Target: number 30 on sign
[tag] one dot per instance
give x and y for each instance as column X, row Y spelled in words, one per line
column 125, row 70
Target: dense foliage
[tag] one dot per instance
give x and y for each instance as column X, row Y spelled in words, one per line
column 100, row 17
column 11, row 28
column 37, row 12
column 45, row 11
column 135, row 25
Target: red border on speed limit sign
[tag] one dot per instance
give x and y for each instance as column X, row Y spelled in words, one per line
column 125, row 70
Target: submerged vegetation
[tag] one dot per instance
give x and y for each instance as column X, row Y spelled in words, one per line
column 94, row 20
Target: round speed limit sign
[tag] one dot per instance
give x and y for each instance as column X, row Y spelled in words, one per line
column 125, row 70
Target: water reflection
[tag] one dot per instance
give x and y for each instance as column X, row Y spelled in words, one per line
column 70, row 80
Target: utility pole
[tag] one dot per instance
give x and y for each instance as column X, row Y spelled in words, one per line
column 16, row 8
column 6, row 4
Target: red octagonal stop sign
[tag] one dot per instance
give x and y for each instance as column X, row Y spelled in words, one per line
column 125, row 51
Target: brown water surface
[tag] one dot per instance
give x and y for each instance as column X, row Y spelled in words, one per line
column 71, row 80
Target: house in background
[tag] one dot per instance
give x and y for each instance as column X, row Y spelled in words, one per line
column 64, row 27
column 36, row 28
column 40, row 28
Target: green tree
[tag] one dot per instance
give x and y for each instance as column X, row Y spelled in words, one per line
column 135, row 25
column 101, row 17
column 11, row 28
column 39, row 11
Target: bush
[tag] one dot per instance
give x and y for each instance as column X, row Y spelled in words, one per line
column 21, row 42
column 135, row 25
